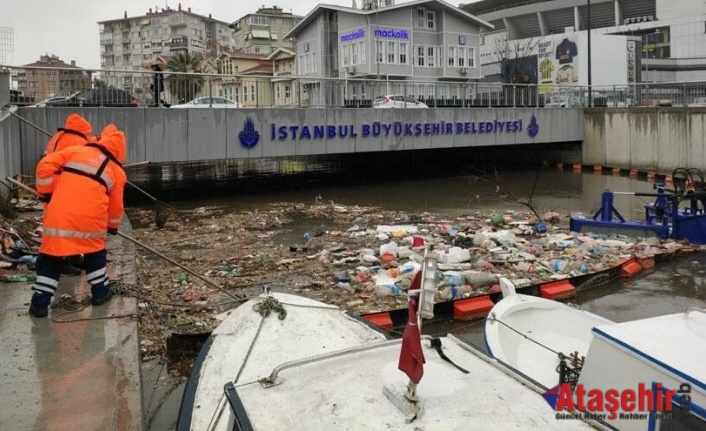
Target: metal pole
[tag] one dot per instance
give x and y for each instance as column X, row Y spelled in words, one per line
column 590, row 101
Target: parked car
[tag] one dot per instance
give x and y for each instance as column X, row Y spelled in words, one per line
column 49, row 100
column 210, row 102
column 398, row 101
column 98, row 97
column 555, row 105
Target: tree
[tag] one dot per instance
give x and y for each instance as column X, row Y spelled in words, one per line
column 185, row 85
column 99, row 83
column 517, row 58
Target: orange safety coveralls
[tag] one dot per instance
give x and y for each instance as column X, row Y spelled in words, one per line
column 87, row 195
column 76, row 131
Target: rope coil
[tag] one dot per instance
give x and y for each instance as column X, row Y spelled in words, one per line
column 268, row 305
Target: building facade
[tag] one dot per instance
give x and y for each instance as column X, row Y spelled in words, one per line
column 669, row 36
column 415, row 47
column 40, row 82
column 263, row 32
column 132, row 43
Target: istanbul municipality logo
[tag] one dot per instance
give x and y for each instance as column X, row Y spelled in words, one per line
column 533, row 127
column 249, row 137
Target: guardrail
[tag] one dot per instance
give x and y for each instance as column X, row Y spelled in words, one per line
column 80, row 87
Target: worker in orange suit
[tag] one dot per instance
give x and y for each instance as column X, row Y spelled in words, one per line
column 84, row 203
column 76, row 131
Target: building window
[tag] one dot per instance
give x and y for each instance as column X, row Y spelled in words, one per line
column 431, row 20
column 287, row 91
column 380, row 51
column 421, row 18
column 258, row 20
column 354, row 54
column 419, row 57
column 431, row 54
column 391, row 52
column 462, row 57
column 361, row 46
column 277, row 92
column 471, row 57
column 425, row 19
column 403, row 53
column 452, row 56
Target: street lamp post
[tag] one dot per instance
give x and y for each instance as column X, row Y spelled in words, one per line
column 590, row 101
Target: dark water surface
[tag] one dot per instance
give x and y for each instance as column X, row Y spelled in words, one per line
column 671, row 287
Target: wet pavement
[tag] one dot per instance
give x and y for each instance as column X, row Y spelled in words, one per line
column 75, row 370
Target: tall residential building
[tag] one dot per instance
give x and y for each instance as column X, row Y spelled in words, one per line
column 132, row 43
column 263, row 32
column 40, row 83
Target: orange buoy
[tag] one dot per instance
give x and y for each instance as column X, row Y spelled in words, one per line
column 669, row 179
column 577, row 167
column 633, row 173
column 616, row 171
column 597, row 168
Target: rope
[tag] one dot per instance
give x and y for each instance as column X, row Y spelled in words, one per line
column 492, row 318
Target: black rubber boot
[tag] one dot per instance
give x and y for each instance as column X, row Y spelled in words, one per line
column 100, row 300
column 39, row 307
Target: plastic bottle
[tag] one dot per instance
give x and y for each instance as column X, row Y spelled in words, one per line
column 559, row 265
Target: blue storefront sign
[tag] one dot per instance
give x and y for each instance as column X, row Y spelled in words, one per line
column 392, row 33
column 355, row 34
column 397, row 128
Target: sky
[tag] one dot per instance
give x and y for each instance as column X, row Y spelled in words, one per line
column 69, row 28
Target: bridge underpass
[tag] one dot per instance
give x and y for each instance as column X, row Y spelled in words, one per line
column 220, row 145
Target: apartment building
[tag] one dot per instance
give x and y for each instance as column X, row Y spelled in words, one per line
column 425, row 43
column 263, row 32
column 130, row 44
column 39, row 83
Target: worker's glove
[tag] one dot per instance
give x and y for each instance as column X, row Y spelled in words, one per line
column 113, row 230
column 45, row 198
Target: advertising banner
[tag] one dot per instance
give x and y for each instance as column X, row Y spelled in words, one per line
column 557, row 62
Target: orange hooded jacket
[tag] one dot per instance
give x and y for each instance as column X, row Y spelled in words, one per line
column 76, row 131
column 87, row 196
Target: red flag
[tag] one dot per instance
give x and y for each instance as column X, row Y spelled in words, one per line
column 411, row 356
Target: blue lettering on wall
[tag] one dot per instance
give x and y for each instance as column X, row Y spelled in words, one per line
column 355, row 34
column 392, row 33
column 369, row 130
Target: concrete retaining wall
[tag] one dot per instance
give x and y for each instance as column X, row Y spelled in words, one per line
column 657, row 140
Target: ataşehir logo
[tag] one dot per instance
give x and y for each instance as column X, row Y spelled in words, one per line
column 249, row 137
column 612, row 403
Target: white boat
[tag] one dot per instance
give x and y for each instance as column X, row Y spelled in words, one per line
column 322, row 369
column 627, row 368
column 529, row 334
column 660, row 353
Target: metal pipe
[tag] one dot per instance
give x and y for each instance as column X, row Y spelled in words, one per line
column 154, row 199
column 145, row 246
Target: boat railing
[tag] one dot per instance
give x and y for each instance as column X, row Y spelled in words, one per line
column 271, row 380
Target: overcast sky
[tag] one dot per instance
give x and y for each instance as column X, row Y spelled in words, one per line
column 69, row 28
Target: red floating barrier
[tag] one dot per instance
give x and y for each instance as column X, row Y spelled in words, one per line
column 557, row 290
column 630, row 268
column 472, row 308
column 383, row 320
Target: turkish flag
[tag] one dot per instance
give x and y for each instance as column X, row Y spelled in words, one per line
column 411, row 356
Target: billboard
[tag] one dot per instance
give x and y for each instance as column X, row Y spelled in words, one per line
column 557, row 62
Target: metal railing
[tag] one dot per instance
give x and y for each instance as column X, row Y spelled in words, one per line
column 137, row 88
